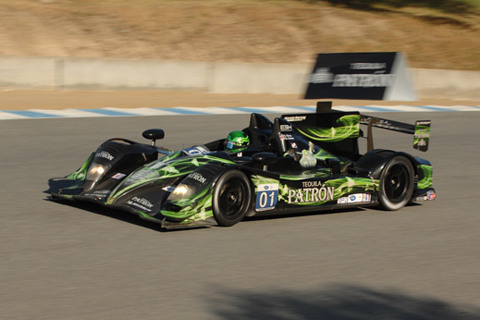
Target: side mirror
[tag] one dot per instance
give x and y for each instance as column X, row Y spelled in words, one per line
column 153, row 134
column 265, row 158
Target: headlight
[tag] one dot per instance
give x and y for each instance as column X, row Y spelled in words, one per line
column 95, row 171
column 181, row 191
column 94, row 174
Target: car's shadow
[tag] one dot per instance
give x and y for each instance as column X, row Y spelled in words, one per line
column 303, row 214
column 57, row 183
column 135, row 220
column 111, row 213
column 320, row 212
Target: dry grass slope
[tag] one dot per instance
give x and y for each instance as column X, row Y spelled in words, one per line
column 435, row 34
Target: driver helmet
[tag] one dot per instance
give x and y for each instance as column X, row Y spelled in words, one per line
column 236, row 140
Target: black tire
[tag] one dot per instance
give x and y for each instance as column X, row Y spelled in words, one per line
column 231, row 198
column 396, row 184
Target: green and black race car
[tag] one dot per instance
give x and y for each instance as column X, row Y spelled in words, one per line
column 295, row 164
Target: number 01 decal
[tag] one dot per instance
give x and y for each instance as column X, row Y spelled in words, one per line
column 267, row 197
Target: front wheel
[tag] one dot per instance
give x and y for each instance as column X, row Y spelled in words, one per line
column 396, row 183
column 231, row 198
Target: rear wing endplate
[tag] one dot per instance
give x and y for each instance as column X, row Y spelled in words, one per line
column 420, row 131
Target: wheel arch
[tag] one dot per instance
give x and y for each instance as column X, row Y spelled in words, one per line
column 375, row 161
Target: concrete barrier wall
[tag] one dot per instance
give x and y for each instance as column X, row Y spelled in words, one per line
column 50, row 73
column 82, row 73
column 453, row 84
column 259, row 78
column 28, row 72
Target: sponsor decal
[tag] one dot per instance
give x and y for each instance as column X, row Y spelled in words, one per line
column 377, row 79
column 286, row 128
column 363, row 80
column 197, row 177
column 169, row 188
column 423, row 123
column 295, row 118
column 98, row 193
column 286, row 136
column 267, row 197
column 381, row 122
column 118, row 176
column 105, row 154
column 368, row 66
column 422, row 143
column 422, row 134
column 196, row 151
column 314, row 183
column 294, row 145
column 356, row 198
column 141, row 203
column 101, row 192
column 310, row 193
column 362, row 75
column 431, row 195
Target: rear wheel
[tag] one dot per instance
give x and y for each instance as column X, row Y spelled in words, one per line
column 396, row 183
column 231, row 198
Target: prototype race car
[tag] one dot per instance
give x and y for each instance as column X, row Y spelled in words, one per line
column 295, row 164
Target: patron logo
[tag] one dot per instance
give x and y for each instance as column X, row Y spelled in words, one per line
column 197, row 177
column 105, row 154
column 141, row 203
column 363, row 80
column 311, row 195
column 377, row 79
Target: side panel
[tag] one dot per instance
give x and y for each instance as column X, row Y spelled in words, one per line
column 195, row 203
column 275, row 196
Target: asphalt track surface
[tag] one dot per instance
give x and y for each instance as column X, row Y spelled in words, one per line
column 61, row 261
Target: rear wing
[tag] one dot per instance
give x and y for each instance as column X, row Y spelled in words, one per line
column 420, row 130
column 339, row 130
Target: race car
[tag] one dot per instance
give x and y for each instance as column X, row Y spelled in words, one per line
column 294, row 164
